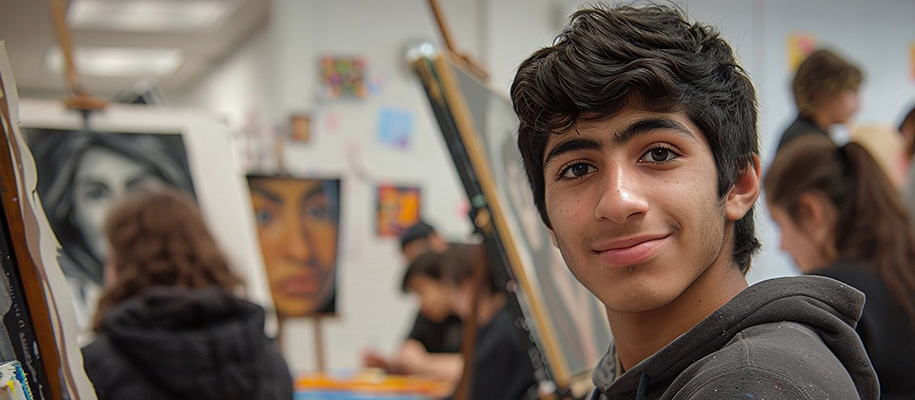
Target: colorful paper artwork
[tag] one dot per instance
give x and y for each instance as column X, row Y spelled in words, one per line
column 800, row 45
column 344, row 77
column 398, row 209
column 395, row 126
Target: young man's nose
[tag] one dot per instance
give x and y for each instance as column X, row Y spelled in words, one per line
column 620, row 196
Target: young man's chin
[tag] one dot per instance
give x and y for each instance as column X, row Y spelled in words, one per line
column 640, row 288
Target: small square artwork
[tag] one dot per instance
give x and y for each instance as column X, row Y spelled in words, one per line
column 800, row 45
column 398, row 209
column 300, row 128
column 344, row 77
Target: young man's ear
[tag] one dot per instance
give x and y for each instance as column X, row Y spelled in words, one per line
column 744, row 192
column 553, row 238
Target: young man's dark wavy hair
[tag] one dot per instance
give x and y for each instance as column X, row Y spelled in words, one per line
column 649, row 58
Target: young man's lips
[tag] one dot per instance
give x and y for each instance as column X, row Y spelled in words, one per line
column 626, row 252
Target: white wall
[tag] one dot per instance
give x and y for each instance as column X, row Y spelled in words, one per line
column 275, row 73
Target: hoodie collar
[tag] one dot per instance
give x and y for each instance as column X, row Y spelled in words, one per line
column 821, row 302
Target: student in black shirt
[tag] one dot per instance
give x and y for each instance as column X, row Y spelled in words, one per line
column 436, row 337
column 431, row 349
column 502, row 369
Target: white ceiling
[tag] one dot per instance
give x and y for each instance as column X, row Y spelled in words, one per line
column 25, row 26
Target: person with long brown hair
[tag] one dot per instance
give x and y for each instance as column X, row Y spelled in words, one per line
column 169, row 323
column 841, row 217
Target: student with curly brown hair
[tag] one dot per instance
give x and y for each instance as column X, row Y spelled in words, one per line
column 639, row 137
column 169, row 323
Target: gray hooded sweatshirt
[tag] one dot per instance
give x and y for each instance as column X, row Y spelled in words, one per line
column 785, row 338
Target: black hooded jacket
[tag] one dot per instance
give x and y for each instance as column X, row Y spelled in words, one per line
column 886, row 328
column 785, row 338
column 173, row 343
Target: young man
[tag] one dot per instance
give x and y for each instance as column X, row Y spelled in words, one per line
column 826, row 93
column 638, row 135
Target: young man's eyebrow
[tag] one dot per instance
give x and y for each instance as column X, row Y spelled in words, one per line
column 647, row 125
column 622, row 138
column 266, row 193
column 571, row 145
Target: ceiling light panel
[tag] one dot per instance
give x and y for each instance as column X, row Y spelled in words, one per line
column 116, row 61
column 147, row 15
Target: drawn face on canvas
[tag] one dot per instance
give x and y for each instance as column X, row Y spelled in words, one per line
column 298, row 237
column 102, row 178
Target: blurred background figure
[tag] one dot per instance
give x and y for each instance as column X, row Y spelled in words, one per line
column 826, row 93
column 169, row 322
column 842, row 218
column 907, row 130
column 432, row 346
column 443, row 281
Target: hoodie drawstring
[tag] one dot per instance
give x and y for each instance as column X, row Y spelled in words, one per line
column 643, row 387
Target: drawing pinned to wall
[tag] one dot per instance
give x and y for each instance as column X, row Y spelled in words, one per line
column 800, row 45
column 398, row 209
column 298, row 221
column 331, row 122
column 300, row 128
column 395, row 126
column 81, row 174
column 344, row 77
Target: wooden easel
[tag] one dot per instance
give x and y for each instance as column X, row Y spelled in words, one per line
column 475, row 67
column 320, row 359
column 28, row 270
column 78, row 97
column 483, row 223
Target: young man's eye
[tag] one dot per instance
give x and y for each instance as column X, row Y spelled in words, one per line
column 658, row 155
column 576, row 170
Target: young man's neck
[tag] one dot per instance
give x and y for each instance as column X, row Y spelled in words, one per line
column 640, row 335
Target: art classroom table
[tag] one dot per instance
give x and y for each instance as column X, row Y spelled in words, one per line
column 368, row 385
